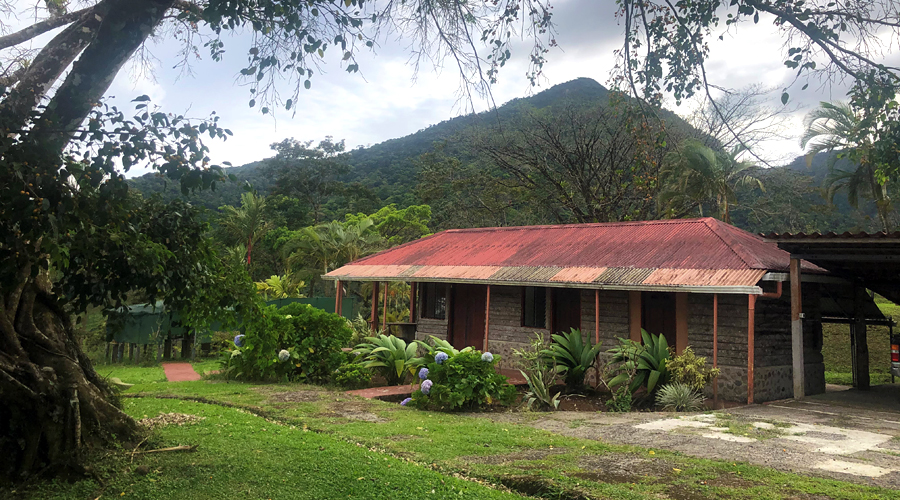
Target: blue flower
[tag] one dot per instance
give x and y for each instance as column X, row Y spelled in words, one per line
column 239, row 340
column 405, row 401
column 487, row 357
column 423, row 373
column 426, row 387
column 284, row 355
column 440, row 357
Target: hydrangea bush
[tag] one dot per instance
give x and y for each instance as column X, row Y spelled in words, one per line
column 296, row 342
column 465, row 380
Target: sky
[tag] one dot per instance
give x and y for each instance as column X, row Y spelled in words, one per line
column 385, row 101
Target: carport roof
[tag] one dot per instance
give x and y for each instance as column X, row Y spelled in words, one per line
column 704, row 255
column 872, row 259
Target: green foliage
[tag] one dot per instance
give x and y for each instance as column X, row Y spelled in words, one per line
column 352, row 376
column 312, row 337
column 361, row 330
column 398, row 226
column 621, row 400
column 677, row 396
column 647, row 361
column 390, row 356
column 464, row 381
column 280, row 287
column 538, row 373
column 689, row 369
column 572, row 356
column 437, row 345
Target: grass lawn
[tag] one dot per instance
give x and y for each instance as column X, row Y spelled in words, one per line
column 330, row 445
column 836, row 349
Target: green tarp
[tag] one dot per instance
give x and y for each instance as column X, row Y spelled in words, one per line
column 149, row 324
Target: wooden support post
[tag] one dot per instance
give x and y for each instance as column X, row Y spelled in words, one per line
column 106, row 357
column 634, row 316
column 859, row 341
column 121, row 357
column 159, row 348
column 799, row 365
column 716, row 348
column 487, row 317
column 186, row 346
column 131, row 351
column 412, row 301
column 751, row 345
column 167, row 348
column 387, row 287
column 339, row 298
column 137, row 354
column 596, row 317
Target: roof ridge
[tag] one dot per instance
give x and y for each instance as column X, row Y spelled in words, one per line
column 575, row 224
column 736, row 247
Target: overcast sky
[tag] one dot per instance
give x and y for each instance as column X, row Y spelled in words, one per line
column 383, row 102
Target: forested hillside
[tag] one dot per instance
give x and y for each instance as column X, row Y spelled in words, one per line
column 468, row 170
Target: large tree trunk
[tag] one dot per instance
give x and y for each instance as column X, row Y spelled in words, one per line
column 54, row 404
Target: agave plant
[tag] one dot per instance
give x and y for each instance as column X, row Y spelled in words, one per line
column 679, row 397
column 390, row 356
column 539, row 384
column 646, row 362
column 572, row 356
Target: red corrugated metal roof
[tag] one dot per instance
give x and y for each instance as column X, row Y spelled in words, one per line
column 681, row 252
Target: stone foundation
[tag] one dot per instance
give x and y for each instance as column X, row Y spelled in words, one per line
column 770, row 383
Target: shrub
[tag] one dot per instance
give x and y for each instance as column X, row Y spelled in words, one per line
column 361, row 330
column 620, row 400
column 463, row 382
column 438, row 345
column 312, row 338
column 645, row 364
column 572, row 357
column 352, row 376
column 538, row 373
column 689, row 369
column 679, row 397
column 390, row 356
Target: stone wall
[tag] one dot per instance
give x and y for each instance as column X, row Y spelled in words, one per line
column 505, row 331
column 613, row 316
column 732, row 328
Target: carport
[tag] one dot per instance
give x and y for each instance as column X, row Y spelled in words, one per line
column 865, row 261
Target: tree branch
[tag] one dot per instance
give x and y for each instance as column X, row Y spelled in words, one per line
column 42, row 27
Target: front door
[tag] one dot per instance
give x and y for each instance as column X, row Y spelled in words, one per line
column 658, row 314
column 467, row 320
column 566, row 309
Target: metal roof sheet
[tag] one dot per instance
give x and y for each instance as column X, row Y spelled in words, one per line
column 681, row 252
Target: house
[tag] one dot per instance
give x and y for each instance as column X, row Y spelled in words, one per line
column 699, row 282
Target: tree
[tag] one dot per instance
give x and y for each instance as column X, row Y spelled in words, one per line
column 312, row 174
column 247, row 224
column 838, row 129
column 582, row 163
column 696, row 175
column 397, row 226
column 65, row 207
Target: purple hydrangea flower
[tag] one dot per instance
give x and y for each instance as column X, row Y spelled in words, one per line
column 487, row 357
column 440, row 357
column 423, row 373
column 284, row 355
column 239, row 340
column 426, row 387
column 405, row 401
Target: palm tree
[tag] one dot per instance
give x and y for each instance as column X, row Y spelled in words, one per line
column 835, row 127
column 331, row 245
column 695, row 175
column 247, row 223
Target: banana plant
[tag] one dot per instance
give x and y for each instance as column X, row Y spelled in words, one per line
column 643, row 364
column 390, row 356
column 572, row 356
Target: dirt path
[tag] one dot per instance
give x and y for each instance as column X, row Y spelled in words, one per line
column 821, row 439
column 180, row 372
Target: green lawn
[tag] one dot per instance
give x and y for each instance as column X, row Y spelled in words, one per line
column 326, row 444
column 836, row 349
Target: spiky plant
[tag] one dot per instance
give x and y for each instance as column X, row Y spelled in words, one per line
column 572, row 356
column 646, row 362
column 679, row 397
column 390, row 356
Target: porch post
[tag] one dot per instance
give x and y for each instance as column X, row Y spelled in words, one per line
column 596, row 316
column 487, row 317
column 751, row 340
column 374, row 306
column 412, row 302
column 387, row 286
column 859, row 341
column 716, row 347
column 681, row 321
column 338, row 298
column 797, row 331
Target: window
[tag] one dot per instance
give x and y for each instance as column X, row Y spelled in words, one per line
column 434, row 300
column 534, row 307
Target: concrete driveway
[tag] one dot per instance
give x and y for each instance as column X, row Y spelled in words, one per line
column 843, row 434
